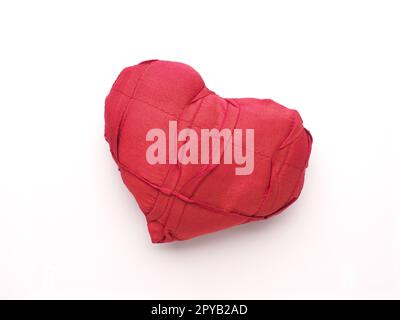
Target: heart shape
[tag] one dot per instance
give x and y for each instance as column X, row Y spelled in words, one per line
column 185, row 200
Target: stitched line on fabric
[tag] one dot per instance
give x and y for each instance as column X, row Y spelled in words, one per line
column 289, row 202
column 169, row 205
column 267, row 194
column 186, row 199
column 210, row 167
column 203, row 175
column 125, row 112
column 268, row 190
column 300, row 180
column 169, row 169
column 171, row 201
column 257, row 214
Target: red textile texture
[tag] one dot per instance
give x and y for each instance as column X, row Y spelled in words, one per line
column 184, row 201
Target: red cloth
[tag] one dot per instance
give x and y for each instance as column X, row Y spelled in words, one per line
column 185, row 201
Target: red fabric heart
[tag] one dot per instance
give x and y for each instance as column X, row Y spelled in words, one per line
column 182, row 201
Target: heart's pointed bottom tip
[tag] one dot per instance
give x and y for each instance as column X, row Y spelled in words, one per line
column 156, row 231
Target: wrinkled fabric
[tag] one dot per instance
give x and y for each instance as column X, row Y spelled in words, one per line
column 184, row 201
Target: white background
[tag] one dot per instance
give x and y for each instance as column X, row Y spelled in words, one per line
column 70, row 229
